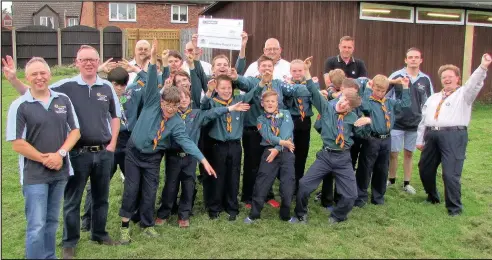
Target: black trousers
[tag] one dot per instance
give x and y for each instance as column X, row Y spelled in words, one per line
column 179, row 170
column 205, row 143
column 142, row 176
column 224, row 189
column 340, row 165
column 373, row 168
column 282, row 167
column 302, row 137
column 252, row 157
column 447, row 148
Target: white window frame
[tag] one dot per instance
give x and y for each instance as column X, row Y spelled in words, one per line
column 410, row 8
column 437, row 10
column 478, row 12
column 179, row 12
column 71, row 19
column 117, row 7
column 41, row 18
column 5, row 24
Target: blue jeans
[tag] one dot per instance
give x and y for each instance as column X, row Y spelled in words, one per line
column 42, row 207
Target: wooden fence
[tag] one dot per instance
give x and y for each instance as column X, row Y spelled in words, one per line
column 167, row 38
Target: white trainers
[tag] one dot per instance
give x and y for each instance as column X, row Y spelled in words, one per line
column 122, row 177
column 410, row 190
column 389, row 184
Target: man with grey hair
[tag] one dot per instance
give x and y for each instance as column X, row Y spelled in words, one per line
column 37, row 127
column 272, row 49
column 98, row 110
column 141, row 56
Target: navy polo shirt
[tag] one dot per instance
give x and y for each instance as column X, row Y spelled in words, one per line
column 354, row 69
column 45, row 127
column 95, row 106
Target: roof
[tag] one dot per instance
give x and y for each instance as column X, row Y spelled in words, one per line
column 214, row 7
column 22, row 12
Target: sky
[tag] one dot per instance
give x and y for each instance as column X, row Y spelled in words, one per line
column 7, row 5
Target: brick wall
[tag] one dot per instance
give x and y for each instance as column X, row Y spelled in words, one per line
column 149, row 16
column 87, row 14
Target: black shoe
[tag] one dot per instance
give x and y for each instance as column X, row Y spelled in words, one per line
column 432, row 201
column 107, row 241
column 232, row 217
column 213, row 216
column 359, row 204
column 454, row 214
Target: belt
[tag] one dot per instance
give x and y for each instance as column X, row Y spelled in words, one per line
column 330, row 150
column 445, row 128
column 378, row 136
column 92, row 148
column 177, row 153
column 284, row 149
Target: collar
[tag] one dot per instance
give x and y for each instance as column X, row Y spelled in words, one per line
column 340, row 59
column 80, row 81
column 29, row 98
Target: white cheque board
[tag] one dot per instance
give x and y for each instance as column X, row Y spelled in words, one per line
column 220, row 33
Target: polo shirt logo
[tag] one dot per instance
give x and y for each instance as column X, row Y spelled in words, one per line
column 59, row 109
column 448, row 104
column 102, row 97
column 353, row 72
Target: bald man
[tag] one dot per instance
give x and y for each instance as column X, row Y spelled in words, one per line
column 189, row 48
column 273, row 50
column 141, row 56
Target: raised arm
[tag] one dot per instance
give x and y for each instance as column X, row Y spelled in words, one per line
column 475, row 83
column 10, row 71
column 405, row 100
column 151, row 91
column 318, row 100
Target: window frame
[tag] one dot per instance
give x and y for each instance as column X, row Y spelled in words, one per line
column 478, row 12
column 127, row 12
column 72, row 18
column 6, row 25
column 179, row 13
column 462, row 22
column 402, row 7
column 46, row 18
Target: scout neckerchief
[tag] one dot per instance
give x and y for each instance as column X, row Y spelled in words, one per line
column 123, row 118
column 160, row 131
column 184, row 114
column 385, row 110
column 273, row 122
column 299, row 99
column 444, row 96
column 228, row 115
column 340, row 138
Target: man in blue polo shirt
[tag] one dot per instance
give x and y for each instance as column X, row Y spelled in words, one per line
column 98, row 110
column 43, row 127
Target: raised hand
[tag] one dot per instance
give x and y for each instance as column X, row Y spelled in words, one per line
column 194, row 40
column 324, row 93
column 240, row 107
column 266, row 77
column 232, row 73
column 107, row 66
column 168, row 83
column 405, row 81
column 273, row 153
column 153, row 50
column 486, row 59
column 307, row 62
column 164, row 57
column 211, row 85
column 244, row 38
column 128, row 67
column 9, row 69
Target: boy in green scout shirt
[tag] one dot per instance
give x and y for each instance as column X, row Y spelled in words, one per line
column 150, row 137
column 276, row 128
column 181, row 167
column 226, row 132
column 375, row 152
column 339, row 123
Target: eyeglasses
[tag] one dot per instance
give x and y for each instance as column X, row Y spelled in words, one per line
column 170, row 107
column 85, row 61
column 190, row 50
column 272, row 49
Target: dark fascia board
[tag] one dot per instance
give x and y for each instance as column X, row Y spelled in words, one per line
column 42, row 7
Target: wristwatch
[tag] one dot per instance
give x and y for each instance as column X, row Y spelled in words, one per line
column 62, row 152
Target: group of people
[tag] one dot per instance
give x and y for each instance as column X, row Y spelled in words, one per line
column 180, row 108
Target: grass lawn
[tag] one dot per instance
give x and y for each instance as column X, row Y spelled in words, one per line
column 403, row 228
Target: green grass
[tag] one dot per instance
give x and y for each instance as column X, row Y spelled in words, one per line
column 403, row 228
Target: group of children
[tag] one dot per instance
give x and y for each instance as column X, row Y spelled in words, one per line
column 169, row 122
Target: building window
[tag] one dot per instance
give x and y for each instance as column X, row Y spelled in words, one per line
column 393, row 13
column 478, row 18
column 122, row 12
column 7, row 22
column 47, row 21
column 179, row 14
column 72, row 21
column 440, row 16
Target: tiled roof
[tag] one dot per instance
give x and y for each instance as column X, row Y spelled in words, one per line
column 22, row 12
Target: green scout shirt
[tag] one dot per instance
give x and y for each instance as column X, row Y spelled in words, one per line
column 149, row 121
column 329, row 118
column 295, row 94
column 283, row 121
column 218, row 129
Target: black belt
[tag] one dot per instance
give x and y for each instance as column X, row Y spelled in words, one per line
column 331, row 150
column 378, row 136
column 92, row 148
column 445, row 128
column 177, row 153
column 284, row 149
column 227, row 142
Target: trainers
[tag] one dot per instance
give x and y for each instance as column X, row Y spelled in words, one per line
column 247, row 220
column 409, row 189
column 318, row 196
column 125, row 238
column 183, row 223
column 247, row 205
column 332, row 220
column 160, row 221
column 274, row 203
column 298, row 220
column 150, row 232
column 122, row 177
column 389, row 184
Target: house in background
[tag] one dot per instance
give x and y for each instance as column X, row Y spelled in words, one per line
column 144, row 15
column 51, row 14
column 6, row 20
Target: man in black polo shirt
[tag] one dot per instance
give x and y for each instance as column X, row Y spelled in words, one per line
column 38, row 125
column 98, row 110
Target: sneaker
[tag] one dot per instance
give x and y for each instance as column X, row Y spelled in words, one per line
column 247, row 205
column 150, row 232
column 232, row 217
column 160, row 221
column 125, row 238
column 213, row 216
column 298, row 220
column 122, row 177
column 318, row 196
column 409, row 189
column 183, row 223
column 247, row 220
column 274, row 203
column 332, row 220
column 389, row 184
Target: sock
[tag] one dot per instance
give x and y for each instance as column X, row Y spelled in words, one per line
column 392, row 180
column 405, row 183
column 125, row 224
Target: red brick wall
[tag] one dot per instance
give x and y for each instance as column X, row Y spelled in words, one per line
column 87, row 15
column 149, row 16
